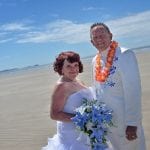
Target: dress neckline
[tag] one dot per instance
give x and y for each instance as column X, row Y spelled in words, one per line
column 83, row 89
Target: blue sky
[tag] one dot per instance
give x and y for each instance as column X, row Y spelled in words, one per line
column 35, row 31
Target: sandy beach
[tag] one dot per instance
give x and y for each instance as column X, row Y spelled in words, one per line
column 25, row 99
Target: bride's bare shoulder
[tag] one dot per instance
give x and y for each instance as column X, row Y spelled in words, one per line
column 62, row 87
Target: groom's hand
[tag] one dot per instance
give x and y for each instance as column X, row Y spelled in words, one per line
column 131, row 133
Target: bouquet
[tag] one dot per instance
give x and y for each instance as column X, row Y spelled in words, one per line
column 94, row 118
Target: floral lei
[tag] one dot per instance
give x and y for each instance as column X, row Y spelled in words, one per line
column 102, row 73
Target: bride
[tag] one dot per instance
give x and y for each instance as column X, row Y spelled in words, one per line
column 67, row 96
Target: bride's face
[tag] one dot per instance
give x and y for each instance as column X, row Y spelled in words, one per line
column 70, row 70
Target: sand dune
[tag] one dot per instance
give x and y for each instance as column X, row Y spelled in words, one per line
column 25, row 100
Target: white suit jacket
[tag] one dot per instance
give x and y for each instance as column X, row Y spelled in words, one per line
column 122, row 90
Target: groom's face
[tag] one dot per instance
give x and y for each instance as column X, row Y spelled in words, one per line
column 100, row 37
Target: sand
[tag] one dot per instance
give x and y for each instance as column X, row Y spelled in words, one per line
column 25, row 99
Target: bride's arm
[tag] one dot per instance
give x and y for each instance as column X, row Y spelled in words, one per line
column 59, row 98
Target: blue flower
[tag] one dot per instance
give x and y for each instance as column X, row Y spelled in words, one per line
column 79, row 120
column 115, row 58
column 112, row 70
column 96, row 133
column 98, row 146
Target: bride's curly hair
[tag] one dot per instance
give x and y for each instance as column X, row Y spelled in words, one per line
column 71, row 57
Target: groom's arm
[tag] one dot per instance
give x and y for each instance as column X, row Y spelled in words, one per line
column 132, row 93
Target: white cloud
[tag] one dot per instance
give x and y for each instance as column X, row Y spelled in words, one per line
column 88, row 8
column 93, row 8
column 4, row 37
column 14, row 27
column 135, row 27
column 6, row 40
column 61, row 30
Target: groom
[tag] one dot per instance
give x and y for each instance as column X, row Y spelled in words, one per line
column 117, row 82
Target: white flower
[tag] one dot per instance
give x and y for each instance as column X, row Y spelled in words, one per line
column 89, row 125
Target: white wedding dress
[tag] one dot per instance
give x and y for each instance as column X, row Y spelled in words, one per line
column 68, row 137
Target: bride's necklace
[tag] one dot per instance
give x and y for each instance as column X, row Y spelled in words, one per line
column 102, row 73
